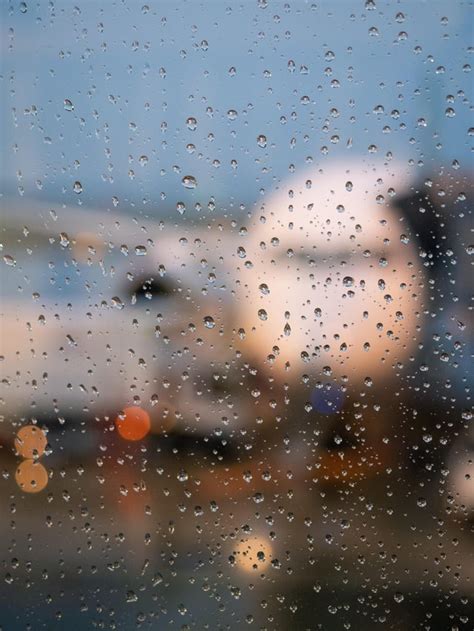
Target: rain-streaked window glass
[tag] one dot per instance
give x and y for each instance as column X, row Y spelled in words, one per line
column 235, row 320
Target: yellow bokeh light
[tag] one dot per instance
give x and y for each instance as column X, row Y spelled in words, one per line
column 31, row 476
column 253, row 554
column 30, row 442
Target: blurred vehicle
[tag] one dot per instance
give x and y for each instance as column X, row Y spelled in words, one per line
column 283, row 336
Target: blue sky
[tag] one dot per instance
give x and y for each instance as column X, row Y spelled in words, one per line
column 319, row 80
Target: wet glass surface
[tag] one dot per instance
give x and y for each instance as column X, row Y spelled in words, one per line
column 236, row 315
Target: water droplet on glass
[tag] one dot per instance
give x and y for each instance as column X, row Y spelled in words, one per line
column 182, row 476
column 117, row 303
column 9, row 260
column 64, row 239
column 209, row 322
column 189, row 181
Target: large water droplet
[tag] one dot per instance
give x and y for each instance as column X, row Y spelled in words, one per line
column 64, row 239
column 9, row 260
column 189, row 181
column 209, row 322
column 117, row 303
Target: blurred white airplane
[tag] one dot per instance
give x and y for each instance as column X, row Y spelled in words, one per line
column 209, row 331
column 329, row 302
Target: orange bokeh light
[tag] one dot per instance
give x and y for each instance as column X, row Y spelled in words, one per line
column 31, row 476
column 253, row 554
column 133, row 423
column 30, row 441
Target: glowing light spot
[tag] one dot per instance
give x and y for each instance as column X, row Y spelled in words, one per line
column 31, row 476
column 133, row 423
column 30, row 442
column 253, row 554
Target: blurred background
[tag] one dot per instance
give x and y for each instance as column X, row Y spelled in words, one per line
column 236, row 315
